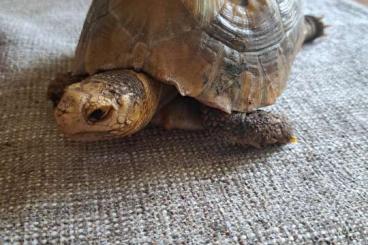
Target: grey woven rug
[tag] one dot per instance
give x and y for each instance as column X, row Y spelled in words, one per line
column 172, row 187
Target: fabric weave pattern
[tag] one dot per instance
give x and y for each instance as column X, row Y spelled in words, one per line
column 171, row 187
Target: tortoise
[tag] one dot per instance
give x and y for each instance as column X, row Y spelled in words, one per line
column 183, row 64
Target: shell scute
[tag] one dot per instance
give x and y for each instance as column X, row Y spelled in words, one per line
column 234, row 55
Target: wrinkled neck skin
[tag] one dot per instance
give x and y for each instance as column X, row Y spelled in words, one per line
column 144, row 101
column 108, row 105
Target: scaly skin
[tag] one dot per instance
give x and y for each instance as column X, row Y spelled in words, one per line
column 109, row 104
column 122, row 102
column 258, row 128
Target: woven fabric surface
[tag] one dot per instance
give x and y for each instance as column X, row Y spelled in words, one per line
column 175, row 186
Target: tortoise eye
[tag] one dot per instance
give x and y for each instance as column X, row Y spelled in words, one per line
column 98, row 114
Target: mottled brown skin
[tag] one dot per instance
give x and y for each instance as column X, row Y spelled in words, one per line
column 258, row 128
column 122, row 92
column 110, row 104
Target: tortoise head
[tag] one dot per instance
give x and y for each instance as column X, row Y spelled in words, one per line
column 104, row 106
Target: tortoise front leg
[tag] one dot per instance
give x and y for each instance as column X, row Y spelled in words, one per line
column 258, row 128
column 58, row 85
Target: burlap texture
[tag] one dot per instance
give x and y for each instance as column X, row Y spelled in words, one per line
column 171, row 187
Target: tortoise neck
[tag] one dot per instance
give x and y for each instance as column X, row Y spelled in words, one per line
column 138, row 97
column 147, row 94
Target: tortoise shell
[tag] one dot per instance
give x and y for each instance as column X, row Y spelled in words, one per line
column 234, row 55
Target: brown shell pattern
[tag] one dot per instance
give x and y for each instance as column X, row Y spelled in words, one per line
column 234, row 55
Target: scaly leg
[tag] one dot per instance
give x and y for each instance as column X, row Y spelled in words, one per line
column 258, row 128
